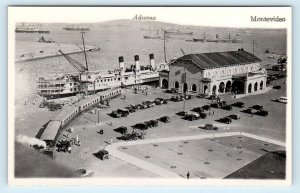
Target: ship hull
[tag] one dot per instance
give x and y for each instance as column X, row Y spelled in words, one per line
column 29, row 31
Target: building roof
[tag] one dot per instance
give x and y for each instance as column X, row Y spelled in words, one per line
column 51, row 130
column 220, row 59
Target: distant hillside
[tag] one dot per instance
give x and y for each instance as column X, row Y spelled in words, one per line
column 157, row 25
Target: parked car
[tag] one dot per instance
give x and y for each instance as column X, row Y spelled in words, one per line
column 282, row 100
column 172, row 90
column 154, row 123
column 148, row 124
column 102, row 154
column 212, row 97
column 238, row 104
column 215, row 105
column 227, row 107
column 236, row 117
column 165, row 119
column 84, row 173
column 159, row 101
column 182, row 113
column 123, row 112
column 130, row 109
column 206, row 107
column 209, row 126
column 198, row 109
column 201, row 96
column 257, row 107
column 121, row 129
column 175, row 99
column 249, row 110
column 165, row 101
column 141, row 126
column 203, row 115
column 149, row 103
column 277, row 87
column 190, row 117
column 262, row 113
column 115, row 114
column 226, row 120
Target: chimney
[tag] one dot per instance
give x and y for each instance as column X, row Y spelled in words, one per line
column 121, row 63
column 152, row 62
column 137, row 63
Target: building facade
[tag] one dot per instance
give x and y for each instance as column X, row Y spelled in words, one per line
column 216, row 73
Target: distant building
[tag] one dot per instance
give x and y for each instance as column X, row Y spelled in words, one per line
column 216, row 73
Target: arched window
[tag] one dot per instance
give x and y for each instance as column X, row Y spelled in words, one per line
column 228, row 72
column 194, row 88
column 235, row 71
column 216, row 74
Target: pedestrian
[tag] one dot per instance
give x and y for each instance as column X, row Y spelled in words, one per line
column 213, row 112
column 111, row 140
column 188, row 175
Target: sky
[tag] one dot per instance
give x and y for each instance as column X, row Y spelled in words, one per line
column 198, row 16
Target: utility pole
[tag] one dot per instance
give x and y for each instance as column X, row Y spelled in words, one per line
column 165, row 47
column 253, row 43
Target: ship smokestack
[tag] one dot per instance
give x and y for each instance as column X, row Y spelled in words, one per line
column 152, row 62
column 137, row 63
column 121, row 63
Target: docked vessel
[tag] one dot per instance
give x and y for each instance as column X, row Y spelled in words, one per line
column 90, row 82
column 77, row 28
column 178, row 32
column 218, row 40
column 29, row 29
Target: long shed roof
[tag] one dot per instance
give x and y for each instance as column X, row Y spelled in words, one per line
column 220, row 59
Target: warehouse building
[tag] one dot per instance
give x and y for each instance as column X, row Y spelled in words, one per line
column 216, row 73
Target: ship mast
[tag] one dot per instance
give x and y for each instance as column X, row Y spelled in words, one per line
column 86, row 63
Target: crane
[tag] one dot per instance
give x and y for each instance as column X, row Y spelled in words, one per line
column 77, row 65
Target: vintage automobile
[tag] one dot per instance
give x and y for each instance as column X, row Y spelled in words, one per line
column 209, row 126
column 206, row 107
column 130, row 109
column 203, row 115
column 238, row 104
column 262, row 113
column 102, row 154
column 121, row 129
column 165, row 119
column 182, row 113
column 154, row 123
column 201, row 96
column 226, row 120
column 172, row 90
column 84, row 173
column 249, row 110
column 276, row 87
column 159, row 101
column 190, row 117
column 198, row 109
column 227, row 107
column 175, row 99
column 141, row 126
column 257, row 107
column 236, row 117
